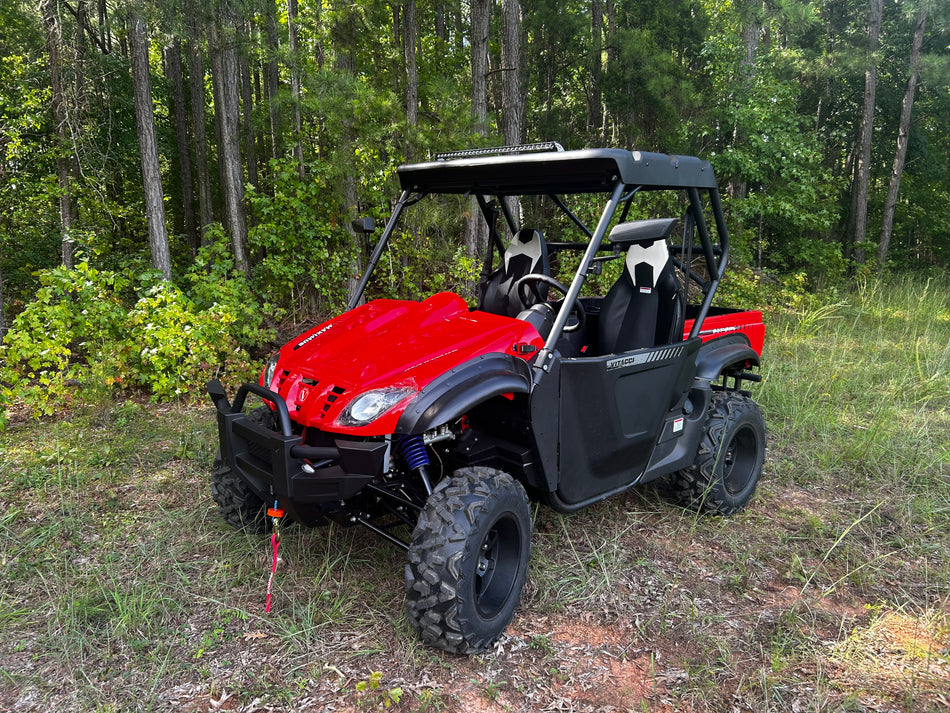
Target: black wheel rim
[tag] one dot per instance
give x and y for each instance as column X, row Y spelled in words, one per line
column 497, row 563
column 739, row 461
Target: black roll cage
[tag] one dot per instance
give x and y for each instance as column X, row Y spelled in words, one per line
column 548, row 170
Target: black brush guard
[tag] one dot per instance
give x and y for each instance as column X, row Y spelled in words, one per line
column 277, row 465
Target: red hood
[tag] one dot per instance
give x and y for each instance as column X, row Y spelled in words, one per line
column 386, row 343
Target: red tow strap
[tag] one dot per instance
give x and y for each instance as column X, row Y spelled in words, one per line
column 275, row 513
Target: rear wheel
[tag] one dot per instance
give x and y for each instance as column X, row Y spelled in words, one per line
column 240, row 506
column 729, row 462
column 468, row 559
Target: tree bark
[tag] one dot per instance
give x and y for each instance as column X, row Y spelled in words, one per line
column 105, row 32
column 512, row 101
column 475, row 235
column 67, row 216
column 595, row 103
column 196, row 82
column 409, row 54
column 295, row 87
column 440, row 28
column 148, row 146
column 247, row 112
column 173, row 68
column 343, row 36
column 271, row 76
column 224, row 67
column 3, row 312
column 903, row 135
column 862, row 172
column 480, row 12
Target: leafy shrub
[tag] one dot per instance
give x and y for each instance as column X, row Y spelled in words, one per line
column 172, row 347
column 66, row 335
column 213, row 284
column 302, row 252
column 80, row 338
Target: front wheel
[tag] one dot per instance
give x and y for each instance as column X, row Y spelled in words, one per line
column 729, row 461
column 468, row 559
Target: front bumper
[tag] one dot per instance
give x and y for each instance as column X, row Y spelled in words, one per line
column 277, row 465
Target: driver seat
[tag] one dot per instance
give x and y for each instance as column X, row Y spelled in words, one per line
column 526, row 253
column 644, row 308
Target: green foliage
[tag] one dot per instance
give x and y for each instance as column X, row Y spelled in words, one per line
column 173, row 348
column 373, row 693
column 303, row 252
column 213, row 284
column 66, row 336
column 781, row 192
column 87, row 333
column 417, row 265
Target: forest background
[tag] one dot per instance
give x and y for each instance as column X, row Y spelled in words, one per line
column 178, row 178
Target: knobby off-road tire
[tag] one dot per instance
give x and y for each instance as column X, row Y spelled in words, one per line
column 468, row 559
column 729, row 460
column 238, row 504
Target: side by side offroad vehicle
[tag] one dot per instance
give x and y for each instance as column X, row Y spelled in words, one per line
column 434, row 418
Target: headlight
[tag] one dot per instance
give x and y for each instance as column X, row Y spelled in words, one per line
column 267, row 376
column 369, row 406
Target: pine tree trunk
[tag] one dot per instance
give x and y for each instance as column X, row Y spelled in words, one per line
column 440, row 29
column 271, row 76
column 862, row 171
column 54, row 40
column 903, row 135
column 148, row 146
column 343, row 36
column 247, row 112
column 173, row 68
column 105, row 32
column 3, row 311
column 480, row 11
column 475, row 235
column 512, row 101
column 595, row 102
column 295, row 88
column 412, row 71
column 196, row 84
column 224, row 68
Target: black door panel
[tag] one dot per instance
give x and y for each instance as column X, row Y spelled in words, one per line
column 611, row 411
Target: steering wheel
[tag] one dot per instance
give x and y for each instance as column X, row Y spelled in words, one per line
column 527, row 289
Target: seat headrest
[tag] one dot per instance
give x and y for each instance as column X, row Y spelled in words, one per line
column 641, row 256
column 527, row 242
column 643, row 232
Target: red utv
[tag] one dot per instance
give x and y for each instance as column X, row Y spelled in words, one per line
column 444, row 421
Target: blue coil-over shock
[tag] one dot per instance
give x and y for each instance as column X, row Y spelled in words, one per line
column 414, row 453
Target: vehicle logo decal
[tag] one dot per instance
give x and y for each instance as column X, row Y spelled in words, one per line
column 313, row 336
column 722, row 330
column 647, row 357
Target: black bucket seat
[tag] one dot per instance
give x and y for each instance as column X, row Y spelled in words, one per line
column 527, row 253
column 645, row 306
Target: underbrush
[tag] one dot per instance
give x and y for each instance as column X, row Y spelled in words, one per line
column 89, row 333
column 123, row 590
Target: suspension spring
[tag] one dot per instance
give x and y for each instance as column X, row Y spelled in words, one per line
column 414, row 452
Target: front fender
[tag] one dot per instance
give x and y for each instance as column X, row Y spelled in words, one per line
column 454, row 393
column 718, row 354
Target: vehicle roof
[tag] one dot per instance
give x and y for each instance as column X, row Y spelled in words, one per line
column 556, row 172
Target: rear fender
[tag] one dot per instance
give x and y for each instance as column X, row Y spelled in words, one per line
column 717, row 355
column 455, row 392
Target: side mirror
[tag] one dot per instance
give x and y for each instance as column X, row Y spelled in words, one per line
column 364, row 225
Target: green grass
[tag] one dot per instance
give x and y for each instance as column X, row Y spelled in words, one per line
column 121, row 589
